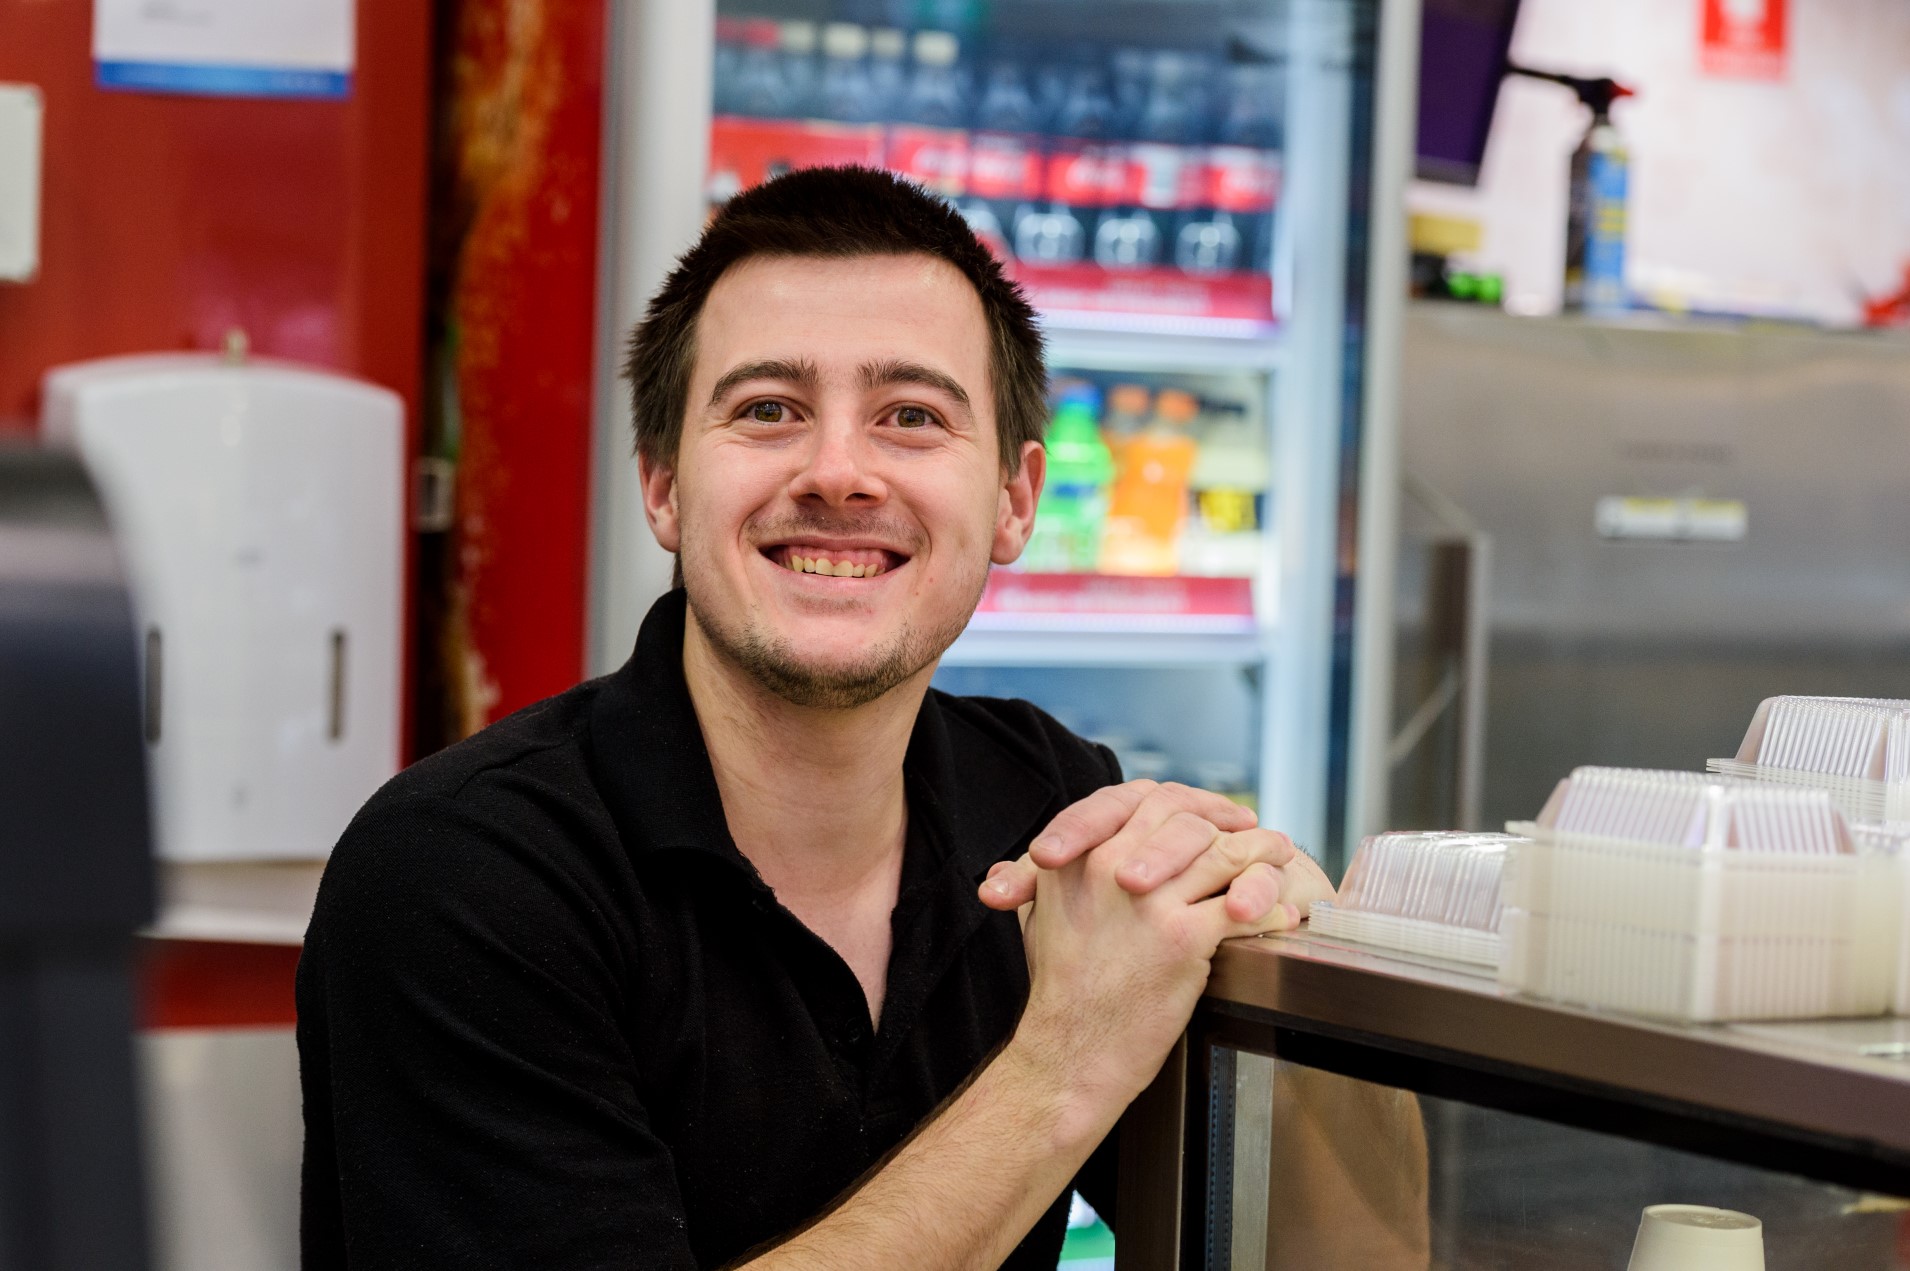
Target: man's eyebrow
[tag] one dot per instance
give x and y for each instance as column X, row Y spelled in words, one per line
column 798, row 371
column 899, row 371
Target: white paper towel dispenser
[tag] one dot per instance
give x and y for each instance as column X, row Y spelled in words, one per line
column 259, row 506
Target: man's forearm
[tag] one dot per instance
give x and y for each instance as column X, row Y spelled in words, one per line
column 964, row 1191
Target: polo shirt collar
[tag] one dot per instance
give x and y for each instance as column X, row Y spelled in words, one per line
column 968, row 791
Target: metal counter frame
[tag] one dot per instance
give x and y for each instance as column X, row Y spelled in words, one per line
column 1793, row 1097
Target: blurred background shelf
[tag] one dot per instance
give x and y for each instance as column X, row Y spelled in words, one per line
column 1104, row 647
column 246, row 902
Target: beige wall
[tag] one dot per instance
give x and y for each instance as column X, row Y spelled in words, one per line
column 1787, row 196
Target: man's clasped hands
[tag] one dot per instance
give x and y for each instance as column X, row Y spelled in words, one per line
column 1124, row 898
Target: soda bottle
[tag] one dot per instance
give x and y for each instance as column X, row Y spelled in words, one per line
column 888, row 76
column 1234, row 230
column 727, row 65
column 928, row 143
column 1004, row 157
column 847, row 92
column 1072, row 512
column 935, row 93
column 1126, row 418
column 1147, row 509
column 758, row 89
column 1130, row 70
column 1229, row 484
column 797, row 41
column 1082, row 174
column 1162, row 169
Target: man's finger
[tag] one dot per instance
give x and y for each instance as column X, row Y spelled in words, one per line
column 1214, row 921
column 1226, row 859
column 1011, row 884
column 1254, row 895
column 1099, row 817
column 1162, row 859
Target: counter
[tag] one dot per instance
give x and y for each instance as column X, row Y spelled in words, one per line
column 1545, row 1126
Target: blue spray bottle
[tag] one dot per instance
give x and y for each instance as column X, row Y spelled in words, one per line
column 1595, row 212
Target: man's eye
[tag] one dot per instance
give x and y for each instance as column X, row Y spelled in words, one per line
column 913, row 417
column 767, row 412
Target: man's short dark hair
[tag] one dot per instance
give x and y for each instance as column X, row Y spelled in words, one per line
column 831, row 213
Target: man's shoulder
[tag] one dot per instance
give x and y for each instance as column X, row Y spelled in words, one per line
column 543, row 740
column 520, row 778
column 506, row 822
column 1034, row 739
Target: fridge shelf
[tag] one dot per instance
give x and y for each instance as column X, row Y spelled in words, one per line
column 1085, row 645
column 1074, row 345
column 1035, row 619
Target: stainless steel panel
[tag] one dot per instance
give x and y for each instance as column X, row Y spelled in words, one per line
column 1645, row 652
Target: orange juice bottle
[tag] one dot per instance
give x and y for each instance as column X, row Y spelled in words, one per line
column 1148, row 506
column 1126, row 416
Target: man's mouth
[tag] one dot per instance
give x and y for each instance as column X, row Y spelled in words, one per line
column 834, row 562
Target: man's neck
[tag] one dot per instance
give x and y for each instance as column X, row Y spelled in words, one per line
column 813, row 796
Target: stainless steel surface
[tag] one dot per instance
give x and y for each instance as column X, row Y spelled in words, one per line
column 1444, row 667
column 1654, row 652
column 1780, row 1075
column 1252, row 1172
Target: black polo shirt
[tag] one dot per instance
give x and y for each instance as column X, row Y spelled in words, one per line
column 549, row 1017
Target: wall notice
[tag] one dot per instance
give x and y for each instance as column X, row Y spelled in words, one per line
column 224, row 48
column 1743, row 39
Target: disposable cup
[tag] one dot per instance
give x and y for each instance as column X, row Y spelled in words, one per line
column 1697, row 1238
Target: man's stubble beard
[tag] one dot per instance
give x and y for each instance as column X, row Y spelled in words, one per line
column 774, row 663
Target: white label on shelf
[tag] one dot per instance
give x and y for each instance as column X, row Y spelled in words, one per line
column 225, row 48
column 1682, row 520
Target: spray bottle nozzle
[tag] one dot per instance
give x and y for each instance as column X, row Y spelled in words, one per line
column 1598, row 93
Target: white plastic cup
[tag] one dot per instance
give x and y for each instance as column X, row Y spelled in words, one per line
column 1697, row 1238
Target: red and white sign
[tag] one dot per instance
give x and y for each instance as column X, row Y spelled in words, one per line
column 1113, row 602
column 1163, row 292
column 746, row 152
column 1744, row 39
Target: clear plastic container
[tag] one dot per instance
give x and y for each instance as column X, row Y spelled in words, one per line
column 1435, row 894
column 1857, row 748
column 1698, row 898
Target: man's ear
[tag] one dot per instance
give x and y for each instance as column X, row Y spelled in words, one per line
column 1015, row 511
column 659, row 500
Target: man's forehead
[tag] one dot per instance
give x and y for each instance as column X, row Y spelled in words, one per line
column 842, row 313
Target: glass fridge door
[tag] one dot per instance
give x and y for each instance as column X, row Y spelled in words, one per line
column 1182, row 188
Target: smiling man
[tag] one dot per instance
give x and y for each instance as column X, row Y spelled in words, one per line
column 688, row 967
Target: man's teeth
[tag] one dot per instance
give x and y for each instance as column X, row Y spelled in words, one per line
column 835, row 569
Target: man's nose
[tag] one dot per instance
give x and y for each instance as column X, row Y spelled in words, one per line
column 841, row 464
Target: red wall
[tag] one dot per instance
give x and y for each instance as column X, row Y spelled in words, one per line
column 167, row 220
column 514, row 327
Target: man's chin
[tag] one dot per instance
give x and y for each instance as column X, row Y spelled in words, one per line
column 832, row 684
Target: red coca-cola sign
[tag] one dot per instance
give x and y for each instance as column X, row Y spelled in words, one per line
column 934, row 158
column 1164, row 177
column 1086, row 175
column 1004, row 166
column 1242, row 179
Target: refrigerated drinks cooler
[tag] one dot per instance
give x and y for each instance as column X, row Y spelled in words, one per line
column 1200, row 197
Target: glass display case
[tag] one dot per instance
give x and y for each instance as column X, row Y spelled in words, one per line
column 1202, row 198
column 1334, row 1108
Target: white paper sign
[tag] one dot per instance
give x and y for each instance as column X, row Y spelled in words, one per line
column 225, row 48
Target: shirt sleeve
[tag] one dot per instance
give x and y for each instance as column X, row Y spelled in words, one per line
column 471, row 1098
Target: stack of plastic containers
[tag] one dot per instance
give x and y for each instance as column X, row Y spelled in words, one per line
column 1696, row 897
column 1856, row 748
column 1435, row 894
